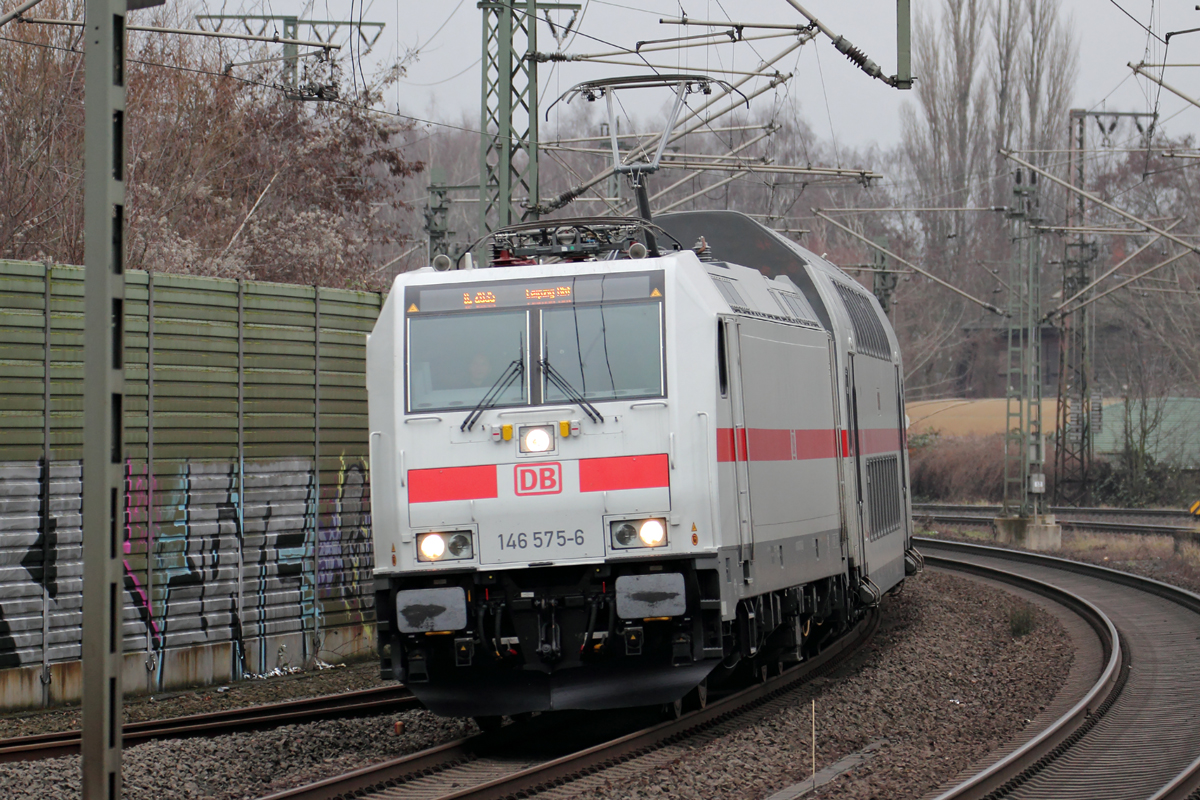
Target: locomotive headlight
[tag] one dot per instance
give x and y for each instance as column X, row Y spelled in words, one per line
column 460, row 545
column 652, row 533
column 451, row 546
column 431, row 546
column 537, row 438
column 637, row 533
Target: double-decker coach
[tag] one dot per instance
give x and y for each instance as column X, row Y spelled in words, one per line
column 614, row 465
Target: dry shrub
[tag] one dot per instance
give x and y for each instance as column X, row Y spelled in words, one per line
column 1119, row 547
column 957, row 469
column 1189, row 554
column 1021, row 620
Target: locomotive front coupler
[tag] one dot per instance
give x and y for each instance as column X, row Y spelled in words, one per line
column 550, row 618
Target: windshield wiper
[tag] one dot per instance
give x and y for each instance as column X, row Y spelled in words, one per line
column 516, row 369
column 556, row 378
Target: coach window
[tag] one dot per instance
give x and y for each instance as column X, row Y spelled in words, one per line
column 455, row 359
column 606, row 351
column 722, row 360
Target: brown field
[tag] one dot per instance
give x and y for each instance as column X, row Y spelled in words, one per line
column 968, row 417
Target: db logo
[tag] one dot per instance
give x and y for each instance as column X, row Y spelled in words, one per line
column 538, row 478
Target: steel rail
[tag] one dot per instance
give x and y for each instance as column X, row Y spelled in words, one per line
column 348, row 704
column 1058, row 734
column 1099, row 526
column 572, row 766
column 1186, row 781
column 1066, row 510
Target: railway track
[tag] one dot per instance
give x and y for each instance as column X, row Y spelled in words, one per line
column 378, row 700
column 486, row 766
column 1125, row 725
column 1135, row 734
column 1177, row 524
column 1171, row 514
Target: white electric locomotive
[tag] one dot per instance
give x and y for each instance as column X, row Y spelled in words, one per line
column 614, row 465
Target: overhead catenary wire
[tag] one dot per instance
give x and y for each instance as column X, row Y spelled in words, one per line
column 701, row 192
column 1095, row 229
column 605, row 137
column 247, row 37
column 1066, row 302
column 915, row 209
column 716, row 70
column 1138, row 22
column 1140, row 70
column 250, row 82
column 624, row 51
column 803, row 34
column 856, row 175
column 846, row 48
column 566, row 197
column 662, row 192
column 1103, row 204
column 1128, row 281
column 820, row 213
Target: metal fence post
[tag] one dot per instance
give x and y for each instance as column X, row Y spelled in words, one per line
column 47, row 518
column 241, row 665
column 151, row 656
column 316, row 469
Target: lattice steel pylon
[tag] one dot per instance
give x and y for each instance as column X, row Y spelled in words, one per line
column 883, row 279
column 1079, row 398
column 508, row 153
column 1073, row 433
column 323, row 30
column 1024, row 443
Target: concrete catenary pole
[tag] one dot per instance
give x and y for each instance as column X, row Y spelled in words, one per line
column 104, row 393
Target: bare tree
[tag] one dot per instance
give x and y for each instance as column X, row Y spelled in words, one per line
column 992, row 74
column 1049, row 59
column 227, row 176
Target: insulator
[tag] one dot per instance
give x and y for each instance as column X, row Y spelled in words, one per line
column 856, row 55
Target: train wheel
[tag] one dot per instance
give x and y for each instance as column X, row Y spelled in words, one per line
column 762, row 671
column 489, row 724
column 697, row 698
column 672, row 711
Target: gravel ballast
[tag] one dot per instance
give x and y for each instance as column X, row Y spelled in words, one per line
column 138, row 708
column 944, row 682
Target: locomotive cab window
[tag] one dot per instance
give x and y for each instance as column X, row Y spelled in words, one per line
column 605, row 351
column 454, row 360
column 601, row 336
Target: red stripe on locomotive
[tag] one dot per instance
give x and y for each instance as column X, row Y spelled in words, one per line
column 879, row 440
column 624, row 472
column 452, row 483
column 773, row 444
column 725, row 444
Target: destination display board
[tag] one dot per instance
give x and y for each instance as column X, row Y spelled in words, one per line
column 482, row 295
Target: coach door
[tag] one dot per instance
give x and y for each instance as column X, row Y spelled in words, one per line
column 740, row 455
column 902, row 423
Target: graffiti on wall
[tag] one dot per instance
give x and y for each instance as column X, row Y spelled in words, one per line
column 213, row 552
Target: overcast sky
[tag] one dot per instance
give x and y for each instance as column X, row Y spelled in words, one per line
column 836, row 99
